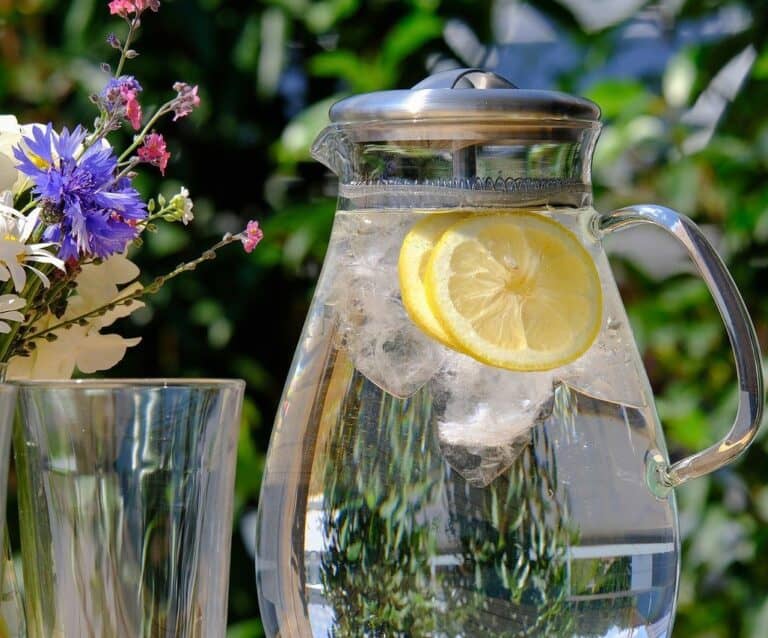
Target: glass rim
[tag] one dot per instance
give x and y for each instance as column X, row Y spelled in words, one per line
column 129, row 382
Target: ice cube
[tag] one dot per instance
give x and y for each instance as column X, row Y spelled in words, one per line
column 382, row 341
column 485, row 415
column 609, row 369
column 372, row 241
column 480, row 460
column 391, row 351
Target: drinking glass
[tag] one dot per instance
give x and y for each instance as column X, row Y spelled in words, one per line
column 125, row 506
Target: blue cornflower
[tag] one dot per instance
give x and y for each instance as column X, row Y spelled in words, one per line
column 88, row 211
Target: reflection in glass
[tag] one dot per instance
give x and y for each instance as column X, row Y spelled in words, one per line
column 126, row 493
column 413, row 491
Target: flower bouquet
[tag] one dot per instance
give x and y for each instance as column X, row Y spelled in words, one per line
column 69, row 212
column 124, row 556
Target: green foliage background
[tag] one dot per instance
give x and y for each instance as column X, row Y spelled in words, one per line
column 268, row 71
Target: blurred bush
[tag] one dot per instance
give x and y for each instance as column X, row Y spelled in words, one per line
column 682, row 85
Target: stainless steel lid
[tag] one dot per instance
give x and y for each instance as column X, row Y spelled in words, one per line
column 460, row 95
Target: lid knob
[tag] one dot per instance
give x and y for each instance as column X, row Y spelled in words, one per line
column 465, row 79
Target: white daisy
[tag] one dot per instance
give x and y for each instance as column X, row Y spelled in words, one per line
column 15, row 253
column 9, row 311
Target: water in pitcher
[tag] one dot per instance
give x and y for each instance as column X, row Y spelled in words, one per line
column 423, row 493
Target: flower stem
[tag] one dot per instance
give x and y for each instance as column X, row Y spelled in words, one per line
column 30, row 205
column 54, row 293
column 10, row 341
column 99, row 134
column 130, row 297
column 126, row 45
column 160, row 214
column 129, row 166
column 138, row 139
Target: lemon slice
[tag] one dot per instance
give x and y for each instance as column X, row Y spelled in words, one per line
column 411, row 266
column 515, row 290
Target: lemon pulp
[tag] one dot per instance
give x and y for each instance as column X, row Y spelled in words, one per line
column 515, row 290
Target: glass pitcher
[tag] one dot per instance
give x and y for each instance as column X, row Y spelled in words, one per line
column 467, row 444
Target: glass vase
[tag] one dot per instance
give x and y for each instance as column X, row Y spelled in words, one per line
column 125, row 506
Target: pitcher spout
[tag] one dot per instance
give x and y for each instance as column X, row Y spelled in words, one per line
column 333, row 149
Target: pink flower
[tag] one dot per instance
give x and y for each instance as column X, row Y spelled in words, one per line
column 251, row 236
column 141, row 5
column 123, row 7
column 154, row 152
column 186, row 101
column 132, row 108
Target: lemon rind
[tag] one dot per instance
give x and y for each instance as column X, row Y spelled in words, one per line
column 421, row 238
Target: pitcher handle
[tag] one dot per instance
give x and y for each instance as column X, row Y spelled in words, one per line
column 741, row 334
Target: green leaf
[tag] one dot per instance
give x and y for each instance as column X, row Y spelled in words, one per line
column 253, row 372
column 296, row 247
column 296, row 8
column 310, row 221
column 409, row 35
column 206, row 311
column 219, row 333
column 340, row 63
column 272, row 54
column 247, row 629
column 760, row 68
column 679, row 185
column 301, row 131
column 245, row 54
column 168, row 240
column 250, row 459
column 353, row 551
column 76, row 23
column 322, row 16
column 617, row 98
